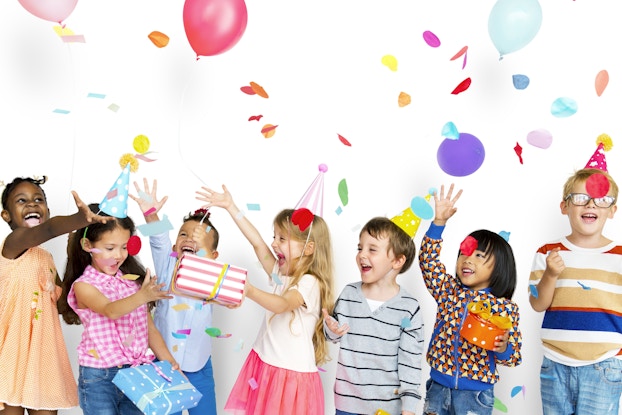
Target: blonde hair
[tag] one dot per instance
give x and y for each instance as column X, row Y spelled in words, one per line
column 319, row 264
column 582, row 175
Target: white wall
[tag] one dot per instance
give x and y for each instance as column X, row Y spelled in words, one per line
column 320, row 64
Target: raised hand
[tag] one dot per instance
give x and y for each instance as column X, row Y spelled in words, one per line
column 213, row 198
column 149, row 204
column 444, row 205
column 87, row 212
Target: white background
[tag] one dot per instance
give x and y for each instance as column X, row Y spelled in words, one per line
column 320, row 62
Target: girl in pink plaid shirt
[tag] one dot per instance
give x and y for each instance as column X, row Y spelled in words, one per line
column 108, row 291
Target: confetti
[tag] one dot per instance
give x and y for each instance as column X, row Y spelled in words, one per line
column 213, row 331
column 131, row 277
column 178, row 335
column 500, row 406
column 224, row 336
column 520, row 81
column 253, row 383
column 468, row 246
column 276, row 279
column 73, row 39
column 342, row 189
column 516, row 390
column 253, row 206
column 247, row 90
column 94, row 95
column 461, row 52
column 390, row 62
column 183, row 331
column 564, row 107
column 158, row 38
column 181, row 307
column 338, row 211
column 268, row 130
column 597, row 185
column 93, row 353
column 321, row 369
column 61, row 111
column 201, row 253
column 154, row 228
column 505, row 235
column 431, row 39
column 540, row 138
column 585, row 287
column 403, row 99
column 462, row 86
column 113, row 107
column 258, row 89
column 519, row 152
column 405, row 323
column 141, row 143
column 255, row 117
column 533, row 290
column 343, row 140
column 450, row 131
column 601, row 81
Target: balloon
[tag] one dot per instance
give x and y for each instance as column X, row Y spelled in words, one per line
column 460, row 157
column 512, row 24
column 214, row 26
column 52, row 10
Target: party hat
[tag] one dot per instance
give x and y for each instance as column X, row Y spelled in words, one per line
column 115, row 201
column 410, row 218
column 598, row 161
column 311, row 203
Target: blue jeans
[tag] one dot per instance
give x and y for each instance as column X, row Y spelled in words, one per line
column 440, row 400
column 203, row 381
column 99, row 396
column 581, row 390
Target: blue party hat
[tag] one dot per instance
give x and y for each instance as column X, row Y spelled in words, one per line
column 115, row 201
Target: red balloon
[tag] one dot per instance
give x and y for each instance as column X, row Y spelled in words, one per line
column 51, row 10
column 214, row 26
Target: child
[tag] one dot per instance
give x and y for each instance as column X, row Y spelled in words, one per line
column 280, row 375
column 379, row 363
column 462, row 375
column 34, row 365
column 108, row 291
column 196, row 234
column 576, row 280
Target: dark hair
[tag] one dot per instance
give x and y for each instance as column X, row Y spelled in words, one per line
column 503, row 277
column 203, row 215
column 9, row 187
column 399, row 241
column 78, row 259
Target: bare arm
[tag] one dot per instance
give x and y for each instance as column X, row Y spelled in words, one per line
column 225, row 201
column 22, row 239
column 158, row 345
column 290, row 300
column 90, row 297
column 546, row 287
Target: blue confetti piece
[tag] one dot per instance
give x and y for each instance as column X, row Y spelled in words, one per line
column 450, row 131
column 201, row 252
column 60, row 111
column 198, row 306
column 338, row 210
column 405, row 323
column 505, row 235
column 564, row 107
column 585, row 287
column 208, row 228
column 94, row 95
column 253, row 206
column 276, row 279
column 516, row 390
column 179, row 335
column 145, row 196
column 520, row 81
column 155, row 228
column 533, row 290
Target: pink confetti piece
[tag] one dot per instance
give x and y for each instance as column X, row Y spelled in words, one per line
column 150, row 211
column 183, row 331
column 144, row 158
column 431, row 39
column 253, row 383
column 112, row 194
column 73, row 39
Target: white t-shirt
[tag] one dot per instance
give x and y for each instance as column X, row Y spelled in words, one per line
column 286, row 340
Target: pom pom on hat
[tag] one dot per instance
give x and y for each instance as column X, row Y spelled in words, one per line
column 598, row 161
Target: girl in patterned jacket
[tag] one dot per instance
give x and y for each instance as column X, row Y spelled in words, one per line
column 463, row 372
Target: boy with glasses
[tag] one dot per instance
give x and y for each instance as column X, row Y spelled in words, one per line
column 577, row 281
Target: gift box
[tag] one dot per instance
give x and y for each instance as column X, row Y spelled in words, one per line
column 157, row 389
column 208, row 280
column 481, row 327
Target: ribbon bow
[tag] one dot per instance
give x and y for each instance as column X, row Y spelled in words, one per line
column 483, row 310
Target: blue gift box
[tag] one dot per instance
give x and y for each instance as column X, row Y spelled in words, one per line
column 157, row 389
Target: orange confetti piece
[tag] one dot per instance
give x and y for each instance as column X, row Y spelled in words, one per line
column 268, row 130
column 93, row 353
column 462, row 86
column 460, row 53
column 602, row 79
column 259, row 90
column 343, row 140
column 247, row 90
column 158, row 38
column 403, row 99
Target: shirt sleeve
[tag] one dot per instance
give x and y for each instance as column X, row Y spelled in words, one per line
column 410, row 356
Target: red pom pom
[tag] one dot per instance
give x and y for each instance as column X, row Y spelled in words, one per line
column 468, row 246
column 133, row 245
column 597, row 185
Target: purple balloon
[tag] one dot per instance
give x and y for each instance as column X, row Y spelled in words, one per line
column 460, row 157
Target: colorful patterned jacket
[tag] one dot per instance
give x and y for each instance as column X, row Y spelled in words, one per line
column 454, row 362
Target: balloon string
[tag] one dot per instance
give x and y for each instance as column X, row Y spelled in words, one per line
column 74, row 124
column 181, row 100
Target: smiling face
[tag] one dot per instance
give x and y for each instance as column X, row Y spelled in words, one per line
column 186, row 244
column 377, row 263
column 475, row 270
column 587, row 222
column 286, row 250
column 26, row 206
column 110, row 251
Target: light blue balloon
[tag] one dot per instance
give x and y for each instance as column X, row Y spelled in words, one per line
column 421, row 208
column 512, row 24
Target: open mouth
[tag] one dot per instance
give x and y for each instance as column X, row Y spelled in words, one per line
column 32, row 219
column 589, row 217
column 187, row 250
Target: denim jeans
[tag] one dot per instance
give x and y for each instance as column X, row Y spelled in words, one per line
column 99, row 396
column 581, row 390
column 203, row 381
column 440, row 400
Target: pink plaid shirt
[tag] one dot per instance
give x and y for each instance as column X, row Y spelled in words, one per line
column 105, row 342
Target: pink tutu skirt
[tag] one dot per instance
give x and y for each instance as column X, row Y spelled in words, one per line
column 262, row 389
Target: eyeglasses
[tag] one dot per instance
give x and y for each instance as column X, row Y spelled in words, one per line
column 581, row 199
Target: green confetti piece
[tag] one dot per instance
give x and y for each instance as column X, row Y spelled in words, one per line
column 500, row 406
column 343, row 192
column 213, row 331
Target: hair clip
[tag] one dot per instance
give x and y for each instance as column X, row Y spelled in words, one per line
column 205, row 213
column 39, row 181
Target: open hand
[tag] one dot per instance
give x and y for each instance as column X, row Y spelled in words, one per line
column 333, row 325
column 151, row 202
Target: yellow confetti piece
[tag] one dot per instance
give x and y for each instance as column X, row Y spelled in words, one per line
column 93, row 353
column 403, row 99
column 132, row 277
column 175, row 348
column 63, row 31
column 141, row 144
column 390, row 62
column 180, row 307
